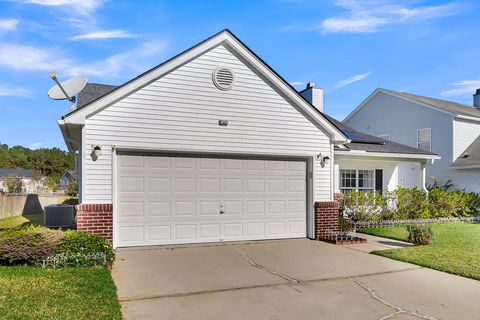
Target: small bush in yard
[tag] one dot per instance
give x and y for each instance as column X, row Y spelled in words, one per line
column 34, row 245
column 28, row 245
column 419, row 234
column 79, row 245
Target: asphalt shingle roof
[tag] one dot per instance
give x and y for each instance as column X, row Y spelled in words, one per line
column 8, row 172
column 470, row 157
column 92, row 91
column 457, row 108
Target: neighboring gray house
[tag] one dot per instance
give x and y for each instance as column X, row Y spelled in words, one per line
column 449, row 129
column 67, row 178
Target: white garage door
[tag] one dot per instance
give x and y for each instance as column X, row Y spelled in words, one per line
column 168, row 200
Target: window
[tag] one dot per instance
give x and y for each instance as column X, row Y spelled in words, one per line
column 385, row 136
column 424, row 139
column 366, row 180
column 348, row 180
column 363, row 180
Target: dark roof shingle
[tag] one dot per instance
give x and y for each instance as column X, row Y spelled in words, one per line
column 470, row 157
column 17, row 173
column 91, row 92
column 366, row 142
column 457, row 108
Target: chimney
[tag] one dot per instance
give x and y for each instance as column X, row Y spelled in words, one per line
column 314, row 95
column 476, row 99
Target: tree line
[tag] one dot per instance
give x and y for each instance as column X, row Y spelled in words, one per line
column 51, row 162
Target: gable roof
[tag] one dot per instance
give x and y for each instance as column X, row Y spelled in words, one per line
column 17, row 173
column 365, row 142
column 447, row 106
column 229, row 40
column 470, row 158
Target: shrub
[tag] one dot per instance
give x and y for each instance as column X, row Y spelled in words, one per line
column 362, row 206
column 412, row 204
column 28, row 245
column 78, row 245
column 419, row 234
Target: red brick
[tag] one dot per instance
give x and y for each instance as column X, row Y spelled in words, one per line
column 96, row 219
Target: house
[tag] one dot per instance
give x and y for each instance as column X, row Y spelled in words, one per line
column 67, row 178
column 211, row 145
column 449, row 129
column 17, row 181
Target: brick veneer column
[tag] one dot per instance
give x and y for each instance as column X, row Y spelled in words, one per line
column 96, row 219
column 326, row 218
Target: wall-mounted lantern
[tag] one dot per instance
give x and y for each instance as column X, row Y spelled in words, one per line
column 324, row 160
column 97, row 152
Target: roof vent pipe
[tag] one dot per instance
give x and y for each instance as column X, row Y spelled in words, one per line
column 476, row 99
column 313, row 95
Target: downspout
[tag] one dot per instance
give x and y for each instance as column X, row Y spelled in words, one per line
column 424, row 174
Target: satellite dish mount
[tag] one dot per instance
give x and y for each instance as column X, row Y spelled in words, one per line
column 67, row 89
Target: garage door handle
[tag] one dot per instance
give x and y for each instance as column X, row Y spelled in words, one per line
column 222, row 211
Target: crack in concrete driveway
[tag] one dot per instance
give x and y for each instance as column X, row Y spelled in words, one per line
column 399, row 310
column 256, row 265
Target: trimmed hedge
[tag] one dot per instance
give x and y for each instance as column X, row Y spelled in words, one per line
column 404, row 203
column 32, row 245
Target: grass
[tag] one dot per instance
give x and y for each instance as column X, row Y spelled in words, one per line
column 75, row 293
column 455, row 248
column 28, row 219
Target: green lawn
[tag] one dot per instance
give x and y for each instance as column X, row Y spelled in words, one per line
column 28, row 219
column 455, row 248
column 75, row 293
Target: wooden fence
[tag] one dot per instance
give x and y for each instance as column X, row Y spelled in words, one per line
column 12, row 205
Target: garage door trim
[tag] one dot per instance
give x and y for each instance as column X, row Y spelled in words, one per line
column 140, row 152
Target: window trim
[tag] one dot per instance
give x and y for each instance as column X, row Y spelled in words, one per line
column 429, row 141
column 357, row 180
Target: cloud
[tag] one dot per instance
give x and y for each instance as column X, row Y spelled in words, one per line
column 350, row 80
column 461, row 88
column 297, row 83
column 8, row 24
column 104, row 34
column 13, row 91
column 30, row 58
column 371, row 16
column 84, row 7
column 36, row 145
column 120, row 65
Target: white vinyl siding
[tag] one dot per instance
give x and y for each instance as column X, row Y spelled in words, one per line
column 464, row 132
column 424, row 139
column 180, row 112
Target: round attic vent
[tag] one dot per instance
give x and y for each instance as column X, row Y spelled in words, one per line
column 223, row 78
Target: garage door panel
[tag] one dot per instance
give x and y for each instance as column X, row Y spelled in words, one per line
column 170, row 200
column 159, row 209
column 186, row 232
column 185, row 208
column 128, row 209
column 184, row 184
column 160, row 232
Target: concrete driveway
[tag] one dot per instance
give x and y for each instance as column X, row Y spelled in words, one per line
column 288, row 279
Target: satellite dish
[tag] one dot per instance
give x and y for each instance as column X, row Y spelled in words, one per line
column 67, row 89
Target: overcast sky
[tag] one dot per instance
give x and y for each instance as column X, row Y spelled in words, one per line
column 349, row 47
